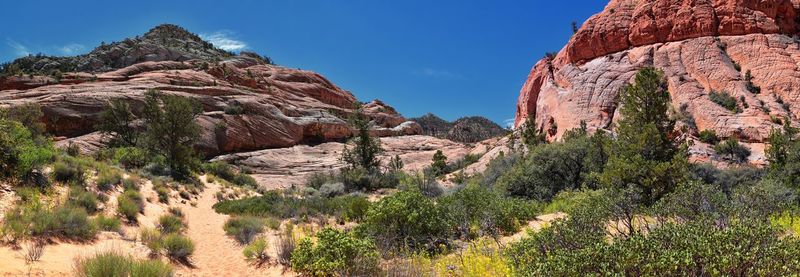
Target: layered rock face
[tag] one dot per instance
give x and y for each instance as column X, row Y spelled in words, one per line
column 248, row 104
column 701, row 46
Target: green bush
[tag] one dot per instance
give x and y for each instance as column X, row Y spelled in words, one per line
column 168, row 224
column 177, row 247
column 244, row 229
column 335, row 253
column 163, row 194
column 74, row 223
column 116, row 264
column 108, row 178
column 256, row 252
column 406, row 219
column 152, row 239
column 672, row 250
column 226, row 172
column 79, row 197
column 725, row 100
column 69, row 172
column 273, row 204
column 731, row 149
column 109, row 224
column 23, row 156
column 551, row 168
column 709, row 136
column 127, row 208
column 130, row 157
column 475, row 211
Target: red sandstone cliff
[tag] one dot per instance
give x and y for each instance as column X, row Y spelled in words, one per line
column 701, row 45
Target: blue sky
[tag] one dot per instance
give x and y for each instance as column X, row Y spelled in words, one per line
column 453, row 58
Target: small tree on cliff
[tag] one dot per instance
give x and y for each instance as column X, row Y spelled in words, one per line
column 366, row 149
column 644, row 156
column 172, row 130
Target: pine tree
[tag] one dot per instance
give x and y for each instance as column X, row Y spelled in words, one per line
column 366, row 149
column 439, row 165
column 172, row 130
column 644, row 155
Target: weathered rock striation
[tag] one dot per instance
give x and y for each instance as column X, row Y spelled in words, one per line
column 248, row 103
column 701, row 46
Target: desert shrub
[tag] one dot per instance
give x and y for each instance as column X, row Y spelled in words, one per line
column 177, row 247
column 725, row 100
column 335, row 253
column 731, row 149
column 568, row 200
column 130, row 157
column 498, row 166
column 234, row 109
column 24, row 155
column 127, row 208
column 551, row 168
column 727, row 179
column 256, row 252
column 152, row 239
column 220, row 169
column 168, row 224
column 286, row 245
column 331, row 189
column 116, row 264
column 737, row 249
column 709, row 136
column 74, row 223
column 176, row 211
column 317, row 179
column 406, row 219
column 245, row 180
column 79, row 197
column 476, row 211
column 109, row 224
column 244, row 229
column 273, row 204
column 131, row 183
column 424, row 182
column 108, row 178
column 163, row 194
column 68, row 171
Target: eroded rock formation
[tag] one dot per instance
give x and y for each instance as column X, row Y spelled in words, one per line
column 702, row 46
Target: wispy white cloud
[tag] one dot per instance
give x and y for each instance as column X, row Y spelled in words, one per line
column 71, row 49
column 438, row 74
column 19, row 49
column 225, row 40
column 509, row 123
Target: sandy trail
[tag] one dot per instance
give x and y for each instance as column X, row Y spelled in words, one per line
column 215, row 253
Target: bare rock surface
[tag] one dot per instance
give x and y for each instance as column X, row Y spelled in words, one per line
column 286, row 167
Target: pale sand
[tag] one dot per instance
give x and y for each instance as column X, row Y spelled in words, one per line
column 215, row 253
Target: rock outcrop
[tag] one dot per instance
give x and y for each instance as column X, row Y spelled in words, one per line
column 747, row 48
column 248, row 104
column 466, row 129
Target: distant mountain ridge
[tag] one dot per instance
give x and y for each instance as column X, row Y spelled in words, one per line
column 164, row 42
column 466, row 129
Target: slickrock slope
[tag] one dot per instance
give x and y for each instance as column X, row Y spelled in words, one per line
column 284, row 167
column 248, row 104
column 702, row 46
